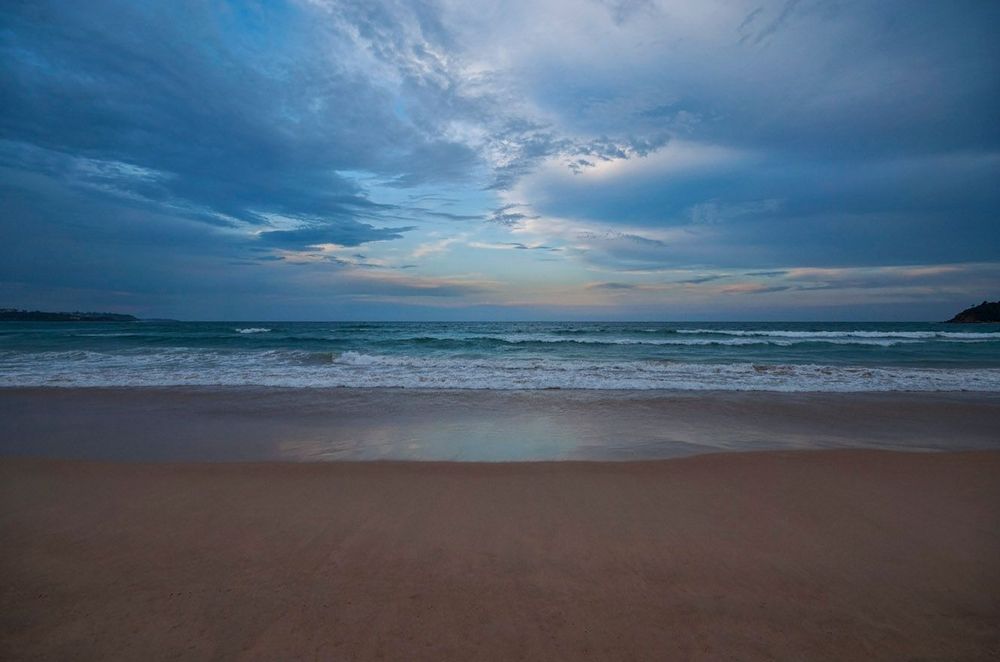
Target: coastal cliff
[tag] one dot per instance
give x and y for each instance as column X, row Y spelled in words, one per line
column 985, row 312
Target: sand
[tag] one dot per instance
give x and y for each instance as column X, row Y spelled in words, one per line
column 206, row 424
column 818, row 555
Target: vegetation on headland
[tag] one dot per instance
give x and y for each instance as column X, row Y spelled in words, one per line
column 987, row 311
column 15, row 315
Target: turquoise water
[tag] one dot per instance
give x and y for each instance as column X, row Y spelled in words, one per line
column 844, row 356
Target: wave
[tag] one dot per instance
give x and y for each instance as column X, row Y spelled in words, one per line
column 115, row 335
column 508, row 339
column 253, row 329
column 294, row 368
column 909, row 335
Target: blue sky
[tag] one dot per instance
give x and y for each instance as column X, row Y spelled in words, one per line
column 595, row 159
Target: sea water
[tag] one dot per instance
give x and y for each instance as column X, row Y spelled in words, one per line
column 843, row 356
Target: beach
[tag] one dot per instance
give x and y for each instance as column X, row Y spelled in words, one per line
column 250, row 424
column 225, row 523
column 820, row 555
column 458, row 331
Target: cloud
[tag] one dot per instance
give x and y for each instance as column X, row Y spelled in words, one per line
column 611, row 286
column 511, row 245
column 703, row 279
column 701, row 142
column 507, row 215
column 752, row 288
column 712, row 212
column 351, row 234
column 389, row 287
column 237, row 111
column 437, row 246
column 770, row 28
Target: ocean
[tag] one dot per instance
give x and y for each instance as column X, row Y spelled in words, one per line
column 844, row 356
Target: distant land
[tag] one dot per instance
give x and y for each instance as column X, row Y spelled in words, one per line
column 15, row 315
column 987, row 311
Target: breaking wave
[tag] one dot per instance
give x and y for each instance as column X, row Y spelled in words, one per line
column 507, row 355
column 362, row 370
column 907, row 335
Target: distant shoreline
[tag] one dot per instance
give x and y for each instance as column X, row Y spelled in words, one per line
column 15, row 315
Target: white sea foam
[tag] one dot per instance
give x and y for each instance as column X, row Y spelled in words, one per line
column 355, row 369
column 682, row 341
column 253, row 329
column 912, row 335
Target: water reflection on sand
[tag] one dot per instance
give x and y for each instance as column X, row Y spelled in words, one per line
column 252, row 424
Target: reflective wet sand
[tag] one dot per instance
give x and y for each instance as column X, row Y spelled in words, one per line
column 251, row 424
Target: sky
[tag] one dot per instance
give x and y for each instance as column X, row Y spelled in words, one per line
column 508, row 160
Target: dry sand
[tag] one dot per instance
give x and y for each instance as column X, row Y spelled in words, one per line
column 811, row 555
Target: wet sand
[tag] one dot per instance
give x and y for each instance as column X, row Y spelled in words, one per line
column 273, row 424
column 818, row 555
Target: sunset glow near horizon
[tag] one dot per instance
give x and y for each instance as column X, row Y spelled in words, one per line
column 598, row 160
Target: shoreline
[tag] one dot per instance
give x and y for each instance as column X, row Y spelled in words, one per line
column 825, row 555
column 192, row 424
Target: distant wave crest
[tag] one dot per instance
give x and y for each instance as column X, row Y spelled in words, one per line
column 680, row 341
column 911, row 335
